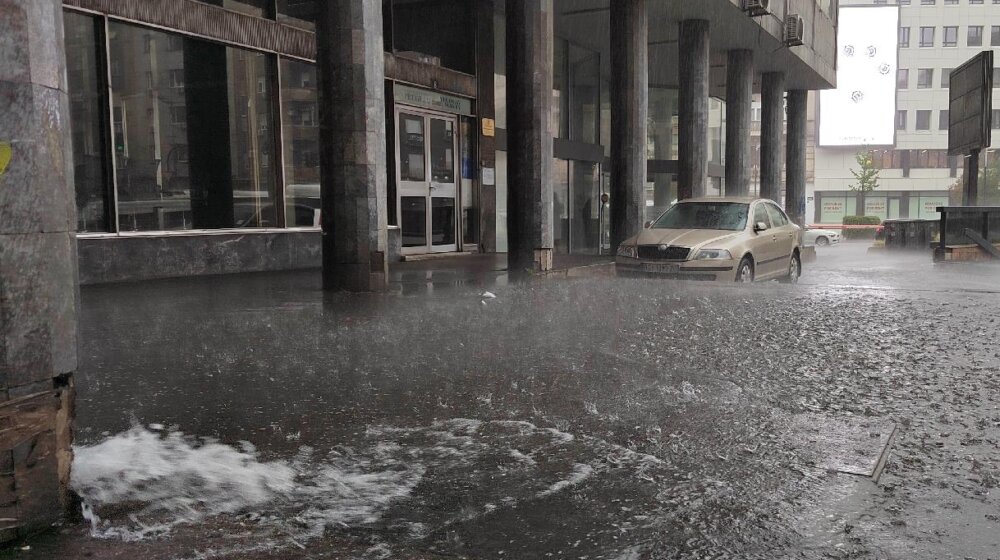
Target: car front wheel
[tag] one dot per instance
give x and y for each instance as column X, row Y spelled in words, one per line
column 744, row 273
column 822, row 241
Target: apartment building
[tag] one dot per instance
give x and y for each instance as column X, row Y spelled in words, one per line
column 935, row 36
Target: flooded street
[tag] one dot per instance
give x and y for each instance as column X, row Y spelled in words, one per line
column 856, row 415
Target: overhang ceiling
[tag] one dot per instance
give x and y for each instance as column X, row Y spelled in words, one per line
column 587, row 23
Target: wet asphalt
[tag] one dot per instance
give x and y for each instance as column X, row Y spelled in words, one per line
column 856, row 415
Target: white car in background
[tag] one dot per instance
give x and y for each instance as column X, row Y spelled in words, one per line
column 821, row 237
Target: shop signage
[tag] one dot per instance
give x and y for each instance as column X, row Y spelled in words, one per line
column 489, row 176
column 931, row 205
column 489, row 127
column 407, row 95
column 833, row 206
column 875, row 206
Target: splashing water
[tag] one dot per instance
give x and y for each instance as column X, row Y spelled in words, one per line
column 142, row 484
column 170, row 479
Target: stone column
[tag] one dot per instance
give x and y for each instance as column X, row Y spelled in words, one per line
column 485, row 11
column 351, row 66
column 529, row 136
column 38, row 274
column 692, row 148
column 772, row 100
column 795, row 157
column 629, row 98
column 739, row 101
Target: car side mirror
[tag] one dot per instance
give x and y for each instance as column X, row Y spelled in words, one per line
column 647, row 224
column 759, row 227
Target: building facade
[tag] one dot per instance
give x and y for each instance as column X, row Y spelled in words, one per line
column 916, row 175
column 196, row 124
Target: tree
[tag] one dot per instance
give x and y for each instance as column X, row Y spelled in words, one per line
column 866, row 180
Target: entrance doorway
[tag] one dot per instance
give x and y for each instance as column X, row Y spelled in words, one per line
column 426, row 179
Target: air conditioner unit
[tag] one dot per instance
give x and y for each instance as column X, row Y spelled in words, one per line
column 795, row 30
column 756, row 8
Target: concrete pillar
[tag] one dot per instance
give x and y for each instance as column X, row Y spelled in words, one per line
column 692, row 97
column 795, row 157
column 38, row 275
column 352, row 144
column 629, row 98
column 772, row 113
column 739, row 104
column 529, row 136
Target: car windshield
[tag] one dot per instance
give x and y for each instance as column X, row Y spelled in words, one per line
column 730, row 216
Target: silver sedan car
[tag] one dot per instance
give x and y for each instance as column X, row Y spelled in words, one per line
column 726, row 239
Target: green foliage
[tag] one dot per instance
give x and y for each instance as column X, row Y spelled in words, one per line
column 861, row 233
column 866, row 178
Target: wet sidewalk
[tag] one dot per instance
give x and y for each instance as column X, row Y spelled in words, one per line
column 256, row 417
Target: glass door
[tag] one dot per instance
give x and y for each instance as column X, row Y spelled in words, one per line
column 426, row 146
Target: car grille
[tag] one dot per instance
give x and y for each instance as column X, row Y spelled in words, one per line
column 670, row 253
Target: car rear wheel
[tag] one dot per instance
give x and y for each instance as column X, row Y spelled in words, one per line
column 794, row 270
column 822, row 241
column 744, row 272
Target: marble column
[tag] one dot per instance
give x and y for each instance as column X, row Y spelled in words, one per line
column 529, row 136
column 692, row 148
column 350, row 60
column 772, row 100
column 629, row 99
column 38, row 269
column 739, row 103
column 795, row 156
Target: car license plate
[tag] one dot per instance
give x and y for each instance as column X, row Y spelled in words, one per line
column 660, row 268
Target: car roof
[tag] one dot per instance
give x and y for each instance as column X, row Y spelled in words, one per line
column 741, row 199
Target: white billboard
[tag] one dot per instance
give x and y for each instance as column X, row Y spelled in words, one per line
column 862, row 110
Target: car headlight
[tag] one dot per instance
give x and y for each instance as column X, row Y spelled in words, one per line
column 628, row 251
column 713, row 255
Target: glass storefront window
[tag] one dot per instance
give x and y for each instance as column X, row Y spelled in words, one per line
column 585, row 89
column 662, row 130
column 259, row 8
column 661, row 193
column 834, row 208
column 925, row 207
column 300, row 136
column 560, row 89
column 585, row 208
column 500, row 68
column 876, row 206
column 469, row 194
column 298, row 13
column 89, row 127
column 606, row 116
column 193, row 132
column 560, row 206
column 716, row 132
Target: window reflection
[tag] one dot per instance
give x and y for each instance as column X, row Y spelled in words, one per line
column 411, row 148
column 301, row 142
column 85, row 106
column 442, row 151
column 192, row 128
